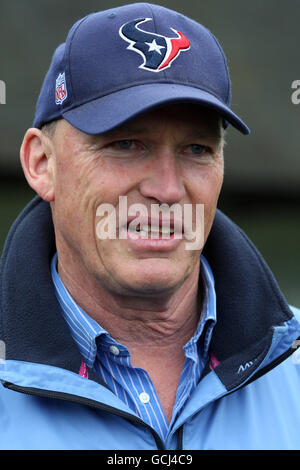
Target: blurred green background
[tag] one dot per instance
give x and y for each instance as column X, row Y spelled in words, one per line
column 262, row 173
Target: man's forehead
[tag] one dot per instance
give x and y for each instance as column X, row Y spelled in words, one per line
column 195, row 120
column 188, row 116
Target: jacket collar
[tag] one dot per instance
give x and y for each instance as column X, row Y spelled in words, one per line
column 249, row 301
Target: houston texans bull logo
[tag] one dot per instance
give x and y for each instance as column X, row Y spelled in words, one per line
column 157, row 51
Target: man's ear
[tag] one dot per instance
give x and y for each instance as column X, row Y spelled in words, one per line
column 37, row 159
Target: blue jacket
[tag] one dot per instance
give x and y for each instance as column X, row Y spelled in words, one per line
column 250, row 400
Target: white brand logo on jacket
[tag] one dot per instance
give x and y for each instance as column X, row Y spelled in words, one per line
column 244, row 367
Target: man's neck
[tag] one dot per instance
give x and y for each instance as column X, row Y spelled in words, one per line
column 160, row 321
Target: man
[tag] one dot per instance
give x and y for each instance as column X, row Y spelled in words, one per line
column 121, row 332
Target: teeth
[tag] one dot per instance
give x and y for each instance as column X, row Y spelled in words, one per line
column 145, row 230
column 133, row 229
column 166, row 230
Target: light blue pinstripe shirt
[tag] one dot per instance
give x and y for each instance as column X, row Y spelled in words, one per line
column 111, row 360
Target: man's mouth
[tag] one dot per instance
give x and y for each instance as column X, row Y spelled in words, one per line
column 148, row 235
column 155, row 228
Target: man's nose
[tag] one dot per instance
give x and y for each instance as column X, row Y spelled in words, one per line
column 164, row 180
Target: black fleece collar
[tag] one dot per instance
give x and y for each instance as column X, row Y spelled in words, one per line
column 249, row 301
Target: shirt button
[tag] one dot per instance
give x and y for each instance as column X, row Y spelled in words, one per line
column 144, row 397
column 114, row 350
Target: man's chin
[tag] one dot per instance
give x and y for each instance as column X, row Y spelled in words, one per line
column 152, row 289
column 153, row 282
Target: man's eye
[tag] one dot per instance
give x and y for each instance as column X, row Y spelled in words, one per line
column 125, row 144
column 129, row 148
column 197, row 149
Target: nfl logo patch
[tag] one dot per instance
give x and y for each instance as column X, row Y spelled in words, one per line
column 60, row 89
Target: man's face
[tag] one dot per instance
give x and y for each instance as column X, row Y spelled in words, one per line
column 172, row 155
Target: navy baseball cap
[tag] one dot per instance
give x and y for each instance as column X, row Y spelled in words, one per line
column 120, row 63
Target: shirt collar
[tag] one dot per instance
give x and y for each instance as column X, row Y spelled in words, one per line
column 208, row 315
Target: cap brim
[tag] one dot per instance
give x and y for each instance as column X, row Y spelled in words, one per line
column 106, row 113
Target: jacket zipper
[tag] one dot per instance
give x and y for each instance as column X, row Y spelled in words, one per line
column 84, row 401
column 180, row 436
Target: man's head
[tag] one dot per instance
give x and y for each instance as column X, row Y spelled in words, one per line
column 149, row 129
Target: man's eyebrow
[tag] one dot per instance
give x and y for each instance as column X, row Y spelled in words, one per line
column 200, row 133
column 126, row 129
column 116, row 134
